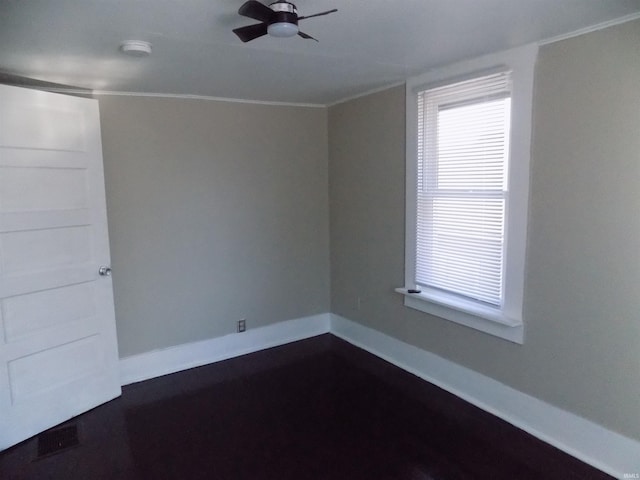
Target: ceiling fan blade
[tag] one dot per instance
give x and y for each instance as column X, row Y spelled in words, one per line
column 308, row 37
column 251, row 32
column 256, row 10
column 317, row 14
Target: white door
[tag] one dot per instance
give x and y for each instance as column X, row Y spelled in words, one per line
column 58, row 350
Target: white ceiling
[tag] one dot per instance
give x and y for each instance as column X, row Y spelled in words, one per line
column 367, row 44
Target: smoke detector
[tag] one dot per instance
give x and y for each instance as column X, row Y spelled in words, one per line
column 136, row 48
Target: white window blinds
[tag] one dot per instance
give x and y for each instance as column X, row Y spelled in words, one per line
column 462, row 194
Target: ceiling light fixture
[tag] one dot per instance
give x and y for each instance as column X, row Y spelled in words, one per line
column 136, row 48
column 282, row 29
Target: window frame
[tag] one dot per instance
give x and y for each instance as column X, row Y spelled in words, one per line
column 505, row 322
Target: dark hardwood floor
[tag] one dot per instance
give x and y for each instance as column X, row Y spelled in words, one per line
column 314, row 409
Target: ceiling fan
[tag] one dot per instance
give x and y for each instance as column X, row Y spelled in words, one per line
column 279, row 19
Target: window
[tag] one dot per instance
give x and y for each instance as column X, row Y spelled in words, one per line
column 468, row 141
column 463, row 152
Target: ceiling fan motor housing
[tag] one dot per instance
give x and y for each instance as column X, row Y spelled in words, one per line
column 284, row 12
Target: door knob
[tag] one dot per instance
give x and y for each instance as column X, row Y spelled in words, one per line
column 104, row 271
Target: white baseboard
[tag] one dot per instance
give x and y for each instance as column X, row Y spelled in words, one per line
column 182, row 357
column 593, row 444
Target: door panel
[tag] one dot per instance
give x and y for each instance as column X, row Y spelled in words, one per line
column 48, row 249
column 37, row 188
column 58, row 351
column 36, row 313
column 42, row 124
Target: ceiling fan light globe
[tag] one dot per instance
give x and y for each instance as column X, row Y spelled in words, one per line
column 282, row 29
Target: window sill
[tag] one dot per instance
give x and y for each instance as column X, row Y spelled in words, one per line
column 467, row 313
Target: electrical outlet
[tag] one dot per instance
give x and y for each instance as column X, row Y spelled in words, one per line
column 242, row 325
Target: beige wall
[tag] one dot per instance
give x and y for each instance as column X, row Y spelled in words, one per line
column 582, row 312
column 217, row 211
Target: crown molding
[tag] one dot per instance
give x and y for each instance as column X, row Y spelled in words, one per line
column 592, row 28
column 205, row 98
